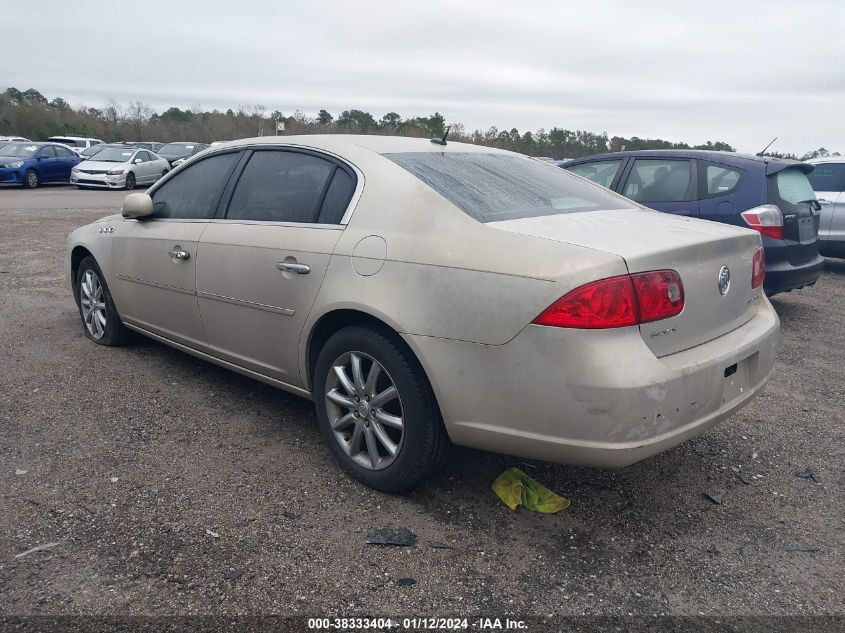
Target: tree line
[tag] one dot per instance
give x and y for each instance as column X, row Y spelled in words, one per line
column 30, row 114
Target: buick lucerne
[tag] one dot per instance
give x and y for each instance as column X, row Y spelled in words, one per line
column 422, row 294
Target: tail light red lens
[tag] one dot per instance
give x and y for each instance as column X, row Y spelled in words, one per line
column 758, row 268
column 765, row 219
column 618, row 302
column 660, row 294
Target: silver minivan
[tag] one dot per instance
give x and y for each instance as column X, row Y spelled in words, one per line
column 828, row 181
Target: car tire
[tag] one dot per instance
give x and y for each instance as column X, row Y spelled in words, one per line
column 421, row 444
column 163, row 174
column 101, row 324
column 130, row 181
column 31, row 179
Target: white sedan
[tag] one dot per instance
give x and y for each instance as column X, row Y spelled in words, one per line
column 423, row 292
column 119, row 168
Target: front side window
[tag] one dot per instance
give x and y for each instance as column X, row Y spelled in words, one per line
column 720, row 179
column 828, row 177
column 19, row 150
column 659, row 180
column 279, row 186
column 192, row 194
column 48, row 151
column 601, row 172
column 63, row 152
column 498, row 187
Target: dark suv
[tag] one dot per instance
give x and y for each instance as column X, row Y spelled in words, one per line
column 769, row 195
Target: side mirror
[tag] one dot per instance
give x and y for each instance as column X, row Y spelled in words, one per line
column 137, row 161
column 137, row 205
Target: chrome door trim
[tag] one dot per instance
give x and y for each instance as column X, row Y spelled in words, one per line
column 353, row 202
column 248, row 304
column 156, row 284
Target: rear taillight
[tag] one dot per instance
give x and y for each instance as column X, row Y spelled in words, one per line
column 767, row 219
column 758, row 268
column 618, row 302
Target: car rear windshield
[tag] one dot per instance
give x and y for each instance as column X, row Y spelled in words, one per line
column 496, row 187
column 793, row 187
column 21, row 150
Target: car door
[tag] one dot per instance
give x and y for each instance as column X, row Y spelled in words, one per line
column 48, row 164
column 144, row 168
column 154, row 260
column 663, row 184
column 262, row 265
column 718, row 187
column 66, row 160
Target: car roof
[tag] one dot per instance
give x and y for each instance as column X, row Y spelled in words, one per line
column 772, row 165
column 826, row 159
column 372, row 142
column 76, row 138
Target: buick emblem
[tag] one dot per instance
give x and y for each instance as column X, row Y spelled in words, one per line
column 724, row 280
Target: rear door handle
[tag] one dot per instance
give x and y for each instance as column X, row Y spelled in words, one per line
column 177, row 253
column 294, row 267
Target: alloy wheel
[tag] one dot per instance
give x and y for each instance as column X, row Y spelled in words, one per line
column 93, row 304
column 365, row 411
column 32, row 179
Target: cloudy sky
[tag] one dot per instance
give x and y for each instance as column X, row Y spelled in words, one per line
column 739, row 71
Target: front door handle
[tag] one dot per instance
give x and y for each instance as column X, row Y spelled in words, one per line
column 177, row 253
column 294, row 267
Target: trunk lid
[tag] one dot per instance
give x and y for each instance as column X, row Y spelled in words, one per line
column 649, row 240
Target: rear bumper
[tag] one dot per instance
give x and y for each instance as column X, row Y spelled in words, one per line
column 784, row 276
column 593, row 397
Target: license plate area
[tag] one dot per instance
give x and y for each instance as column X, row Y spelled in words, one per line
column 806, row 230
column 735, row 381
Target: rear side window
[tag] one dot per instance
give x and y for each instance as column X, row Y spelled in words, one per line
column 48, row 151
column 496, row 187
column 337, row 198
column 192, row 194
column 828, row 177
column 720, row 180
column 279, row 186
column 600, row 172
column 792, row 186
column 659, row 180
column 63, row 152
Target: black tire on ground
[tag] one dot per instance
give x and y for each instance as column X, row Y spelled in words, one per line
column 425, row 443
column 31, row 179
column 130, row 181
column 115, row 334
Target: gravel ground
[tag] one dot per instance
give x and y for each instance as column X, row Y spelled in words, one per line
column 171, row 486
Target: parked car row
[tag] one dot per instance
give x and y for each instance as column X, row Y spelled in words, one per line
column 106, row 165
column 770, row 195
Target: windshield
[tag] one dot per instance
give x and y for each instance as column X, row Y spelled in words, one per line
column 94, row 149
column 176, row 149
column 496, row 187
column 114, row 155
column 22, row 150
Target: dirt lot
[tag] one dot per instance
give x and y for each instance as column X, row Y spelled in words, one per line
column 170, row 486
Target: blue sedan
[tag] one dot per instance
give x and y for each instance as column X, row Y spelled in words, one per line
column 31, row 164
